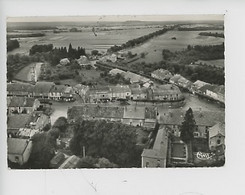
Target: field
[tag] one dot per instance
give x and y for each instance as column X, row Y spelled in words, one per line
column 24, row 73
column 154, row 47
column 86, row 39
column 218, row 63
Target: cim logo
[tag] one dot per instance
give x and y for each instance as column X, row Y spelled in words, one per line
column 204, row 156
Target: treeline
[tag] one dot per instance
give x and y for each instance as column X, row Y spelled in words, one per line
column 54, row 55
column 194, row 53
column 137, row 41
column 200, row 28
column 221, row 35
column 114, row 141
column 20, row 26
column 24, row 35
column 12, row 44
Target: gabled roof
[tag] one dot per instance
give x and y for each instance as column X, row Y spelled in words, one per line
column 43, row 87
column 199, row 84
column 120, row 89
column 17, row 145
column 57, row 159
column 58, row 89
column 217, row 129
column 142, row 90
column 96, row 111
column 204, row 118
column 175, row 78
column 131, row 112
column 21, row 102
column 18, row 121
column 207, row 87
column 70, row 163
column 20, row 87
column 166, row 89
column 160, row 146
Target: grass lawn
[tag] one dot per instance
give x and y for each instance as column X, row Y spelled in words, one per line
column 24, row 73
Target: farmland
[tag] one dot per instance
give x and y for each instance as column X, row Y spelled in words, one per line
column 218, row 63
column 154, row 47
column 86, row 39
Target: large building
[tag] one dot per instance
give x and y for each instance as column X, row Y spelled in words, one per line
column 19, row 150
column 157, row 156
column 23, row 105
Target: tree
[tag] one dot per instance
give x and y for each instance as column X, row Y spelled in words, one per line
column 61, row 124
column 42, row 150
column 188, row 127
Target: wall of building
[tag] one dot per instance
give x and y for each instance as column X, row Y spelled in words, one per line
column 213, row 142
column 153, row 162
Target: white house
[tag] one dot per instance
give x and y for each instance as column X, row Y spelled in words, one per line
column 216, row 135
column 19, row 150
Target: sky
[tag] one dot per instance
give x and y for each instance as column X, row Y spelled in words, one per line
column 118, row 18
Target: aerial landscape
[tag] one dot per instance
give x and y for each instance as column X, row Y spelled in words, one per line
column 115, row 92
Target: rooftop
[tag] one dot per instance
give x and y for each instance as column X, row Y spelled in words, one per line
column 43, row 87
column 22, row 87
column 18, row 121
column 17, row 145
column 217, row 129
column 205, row 118
column 70, row 163
column 96, row 111
column 131, row 112
column 21, row 102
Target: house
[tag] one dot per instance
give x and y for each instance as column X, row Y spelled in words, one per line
column 83, row 61
column 67, row 95
column 134, row 116
column 135, row 78
column 35, row 121
column 57, row 160
column 26, row 133
column 42, row 89
column 161, row 74
column 216, row 93
column 204, row 119
column 17, row 121
column 157, row 156
column 139, row 94
column 64, row 61
column 216, row 135
column 23, row 105
column 150, row 117
column 81, row 89
column 168, row 92
column 71, row 163
column 180, row 81
column 197, row 85
column 99, row 93
column 19, row 150
column 120, row 92
column 56, row 92
column 116, row 71
column 20, row 89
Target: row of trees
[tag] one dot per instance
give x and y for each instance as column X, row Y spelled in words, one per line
column 12, row 44
column 137, row 41
column 114, row 141
column 221, row 35
column 54, row 55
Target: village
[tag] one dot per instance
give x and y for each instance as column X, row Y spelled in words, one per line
column 153, row 103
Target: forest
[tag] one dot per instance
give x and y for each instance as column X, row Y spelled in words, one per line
column 114, row 141
column 12, row 44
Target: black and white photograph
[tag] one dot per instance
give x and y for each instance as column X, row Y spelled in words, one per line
column 115, row 91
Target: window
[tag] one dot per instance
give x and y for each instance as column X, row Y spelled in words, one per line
column 218, row 141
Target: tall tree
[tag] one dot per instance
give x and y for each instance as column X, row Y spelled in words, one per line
column 188, row 127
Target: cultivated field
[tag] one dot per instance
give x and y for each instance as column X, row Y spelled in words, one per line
column 154, row 47
column 86, row 39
